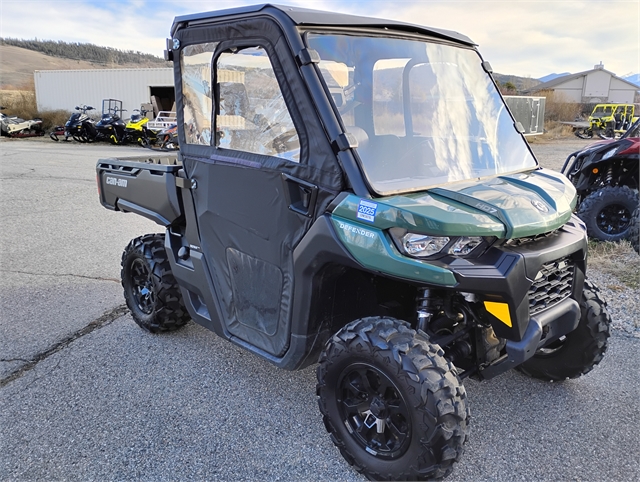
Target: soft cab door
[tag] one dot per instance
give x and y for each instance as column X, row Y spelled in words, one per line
column 262, row 166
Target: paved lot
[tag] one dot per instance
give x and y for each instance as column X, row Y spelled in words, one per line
column 93, row 397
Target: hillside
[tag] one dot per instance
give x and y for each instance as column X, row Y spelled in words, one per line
column 521, row 83
column 81, row 51
column 18, row 64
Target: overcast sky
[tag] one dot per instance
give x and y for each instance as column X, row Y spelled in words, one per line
column 529, row 38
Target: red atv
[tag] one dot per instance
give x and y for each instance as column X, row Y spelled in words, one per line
column 605, row 175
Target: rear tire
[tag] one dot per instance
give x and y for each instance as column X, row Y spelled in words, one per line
column 150, row 290
column 391, row 402
column 579, row 351
column 607, row 212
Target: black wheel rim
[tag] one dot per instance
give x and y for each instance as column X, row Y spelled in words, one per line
column 614, row 219
column 374, row 411
column 142, row 287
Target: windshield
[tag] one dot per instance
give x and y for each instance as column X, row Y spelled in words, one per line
column 423, row 113
column 602, row 111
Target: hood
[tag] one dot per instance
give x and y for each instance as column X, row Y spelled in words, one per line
column 596, row 145
column 624, row 146
column 508, row 206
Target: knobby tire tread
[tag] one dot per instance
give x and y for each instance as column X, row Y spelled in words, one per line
column 422, row 369
column 169, row 313
column 593, row 204
column 584, row 348
column 634, row 231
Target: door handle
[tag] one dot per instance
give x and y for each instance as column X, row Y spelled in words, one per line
column 301, row 195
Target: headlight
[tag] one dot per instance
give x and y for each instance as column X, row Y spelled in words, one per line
column 424, row 245
column 465, row 245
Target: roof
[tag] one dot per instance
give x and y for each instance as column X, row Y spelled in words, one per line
column 566, row 78
column 305, row 16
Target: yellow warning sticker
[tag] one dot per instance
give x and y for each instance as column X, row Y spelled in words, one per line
column 500, row 311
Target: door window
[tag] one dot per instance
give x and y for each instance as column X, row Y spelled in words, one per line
column 196, row 91
column 252, row 114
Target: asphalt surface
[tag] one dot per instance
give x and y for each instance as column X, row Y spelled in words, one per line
column 87, row 395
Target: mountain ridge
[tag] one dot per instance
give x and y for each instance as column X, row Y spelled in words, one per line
column 19, row 63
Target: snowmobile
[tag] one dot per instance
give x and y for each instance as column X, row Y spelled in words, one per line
column 12, row 126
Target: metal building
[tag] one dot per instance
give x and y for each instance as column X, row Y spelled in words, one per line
column 65, row 89
column 591, row 87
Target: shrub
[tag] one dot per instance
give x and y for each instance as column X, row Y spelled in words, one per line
column 22, row 103
column 52, row 118
column 557, row 108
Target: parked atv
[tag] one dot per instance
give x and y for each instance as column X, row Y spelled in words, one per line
column 12, row 126
column 354, row 191
column 606, row 178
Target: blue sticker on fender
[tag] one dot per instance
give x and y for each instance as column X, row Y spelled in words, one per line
column 367, row 210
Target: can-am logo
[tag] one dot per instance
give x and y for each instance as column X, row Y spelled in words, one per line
column 540, row 206
column 114, row 181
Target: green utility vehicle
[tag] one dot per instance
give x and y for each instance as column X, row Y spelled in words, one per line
column 353, row 192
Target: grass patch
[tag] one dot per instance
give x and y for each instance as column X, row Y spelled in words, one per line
column 616, row 259
column 22, row 103
column 552, row 130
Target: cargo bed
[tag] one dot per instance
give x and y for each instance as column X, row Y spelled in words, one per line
column 145, row 185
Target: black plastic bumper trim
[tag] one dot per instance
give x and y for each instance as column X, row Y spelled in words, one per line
column 561, row 319
column 127, row 206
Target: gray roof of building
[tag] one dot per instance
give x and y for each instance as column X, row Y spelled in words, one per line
column 566, row 78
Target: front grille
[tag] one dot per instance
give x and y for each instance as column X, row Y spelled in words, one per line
column 552, row 285
column 515, row 242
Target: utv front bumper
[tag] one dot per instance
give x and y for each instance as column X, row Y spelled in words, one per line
column 542, row 329
column 526, row 289
column 539, row 281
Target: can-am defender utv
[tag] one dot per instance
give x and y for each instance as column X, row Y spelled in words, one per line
column 353, row 190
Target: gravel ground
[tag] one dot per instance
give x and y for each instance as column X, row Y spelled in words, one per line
column 93, row 397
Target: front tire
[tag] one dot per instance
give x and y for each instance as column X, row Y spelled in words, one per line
column 584, row 133
column 150, row 290
column 392, row 403
column 607, row 212
column 579, row 351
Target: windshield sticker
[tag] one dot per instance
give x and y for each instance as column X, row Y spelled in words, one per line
column 367, row 210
